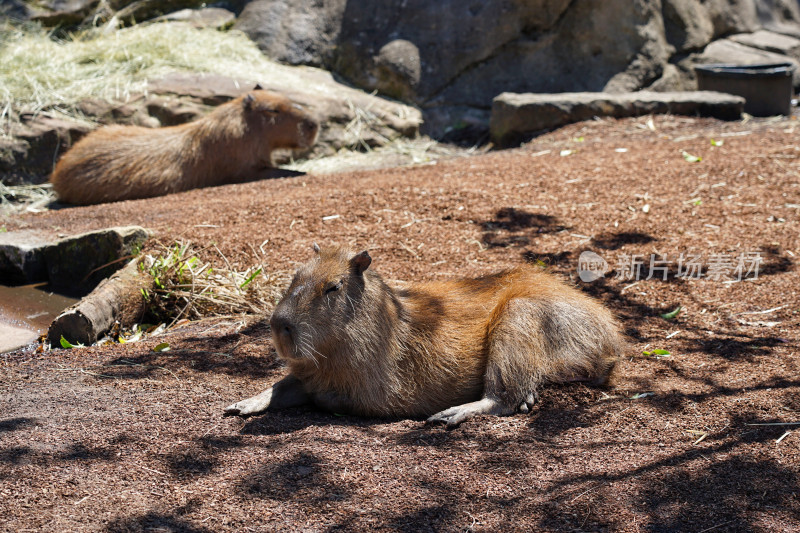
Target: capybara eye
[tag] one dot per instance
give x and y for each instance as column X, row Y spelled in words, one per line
column 334, row 287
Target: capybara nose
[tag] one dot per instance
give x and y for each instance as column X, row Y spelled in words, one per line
column 310, row 127
column 281, row 325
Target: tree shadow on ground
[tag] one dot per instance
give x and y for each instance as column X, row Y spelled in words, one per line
column 203, row 353
column 738, row 346
column 304, row 477
column 173, row 522
column 614, row 241
column 200, row 456
column 687, row 490
column 286, row 421
column 75, row 451
column 13, row 424
column 774, row 262
column 517, row 227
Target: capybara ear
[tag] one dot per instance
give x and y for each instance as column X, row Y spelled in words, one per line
column 315, row 246
column 360, row 262
column 258, row 87
column 248, row 100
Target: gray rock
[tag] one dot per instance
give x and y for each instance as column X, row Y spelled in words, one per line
column 132, row 112
column 211, row 89
column 397, row 69
column 22, row 257
column 770, row 42
column 62, row 12
column 207, row 17
column 728, row 51
column 72, row 265
column 516, row 117
column 15, row 10
column 687, row 24
column 671, row 80
column 34, row 146
column 80, row 262
column 297, row 32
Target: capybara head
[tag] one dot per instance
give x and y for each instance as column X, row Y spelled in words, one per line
column 323, row 306
column 289, row 125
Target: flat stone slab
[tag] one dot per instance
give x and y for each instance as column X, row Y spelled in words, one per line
column 75, row 264
column 22, row 257
column 749, row 49
column 518, row 117
column 770, row 42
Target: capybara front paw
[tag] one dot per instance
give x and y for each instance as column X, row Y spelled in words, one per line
column 455, row 415
column 452, row 417
column 243, row 409
column 233, row 410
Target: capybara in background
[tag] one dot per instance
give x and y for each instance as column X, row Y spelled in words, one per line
column 231, row 144
column 448, row 350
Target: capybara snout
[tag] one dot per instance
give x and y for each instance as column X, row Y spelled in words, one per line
column 309, row 129
column 283, row 331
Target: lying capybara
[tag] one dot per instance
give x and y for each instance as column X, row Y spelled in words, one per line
column 449, row 350
column 231, row 144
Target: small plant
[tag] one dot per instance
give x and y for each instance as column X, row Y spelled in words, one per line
column 657, row 354
column 184, row 286
column 672, row 314
column 66, row 344
column 691, row 158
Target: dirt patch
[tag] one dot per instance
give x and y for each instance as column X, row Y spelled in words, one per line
column 123, row 438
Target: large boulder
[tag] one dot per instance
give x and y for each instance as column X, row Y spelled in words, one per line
column 297, row 32
column 35, row 142
column 452, row 57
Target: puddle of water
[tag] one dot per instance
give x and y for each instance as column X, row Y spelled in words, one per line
column 26, row 312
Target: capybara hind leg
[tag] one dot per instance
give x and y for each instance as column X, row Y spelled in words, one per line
column 288, row 392
column 516, row 364
column 485, row 406
column 512, row 374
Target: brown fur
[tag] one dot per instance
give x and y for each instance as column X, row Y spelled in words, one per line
column 450, row 349
column 231, row 144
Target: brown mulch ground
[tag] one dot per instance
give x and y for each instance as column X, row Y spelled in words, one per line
column 125, row 439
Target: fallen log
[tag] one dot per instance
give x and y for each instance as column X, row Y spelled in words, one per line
column 118, row 298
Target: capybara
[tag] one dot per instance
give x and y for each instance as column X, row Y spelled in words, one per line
column 448, row 350
column 231, row 144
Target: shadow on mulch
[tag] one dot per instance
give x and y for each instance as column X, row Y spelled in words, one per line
column 13, row 424
column 154, row 521
column 300, row 477
column 713, row 494
column 199, row 353
column 615, row 241
column 517, row 227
